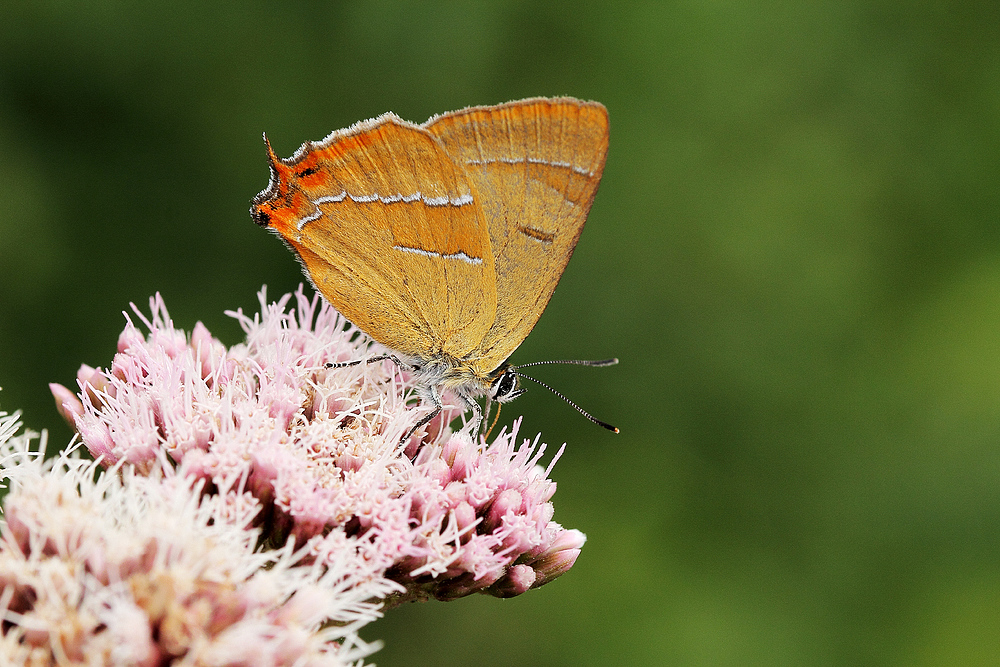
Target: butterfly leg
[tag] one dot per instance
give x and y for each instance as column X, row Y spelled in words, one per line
column 371, row 360
column 433, row 395
column 477, row 415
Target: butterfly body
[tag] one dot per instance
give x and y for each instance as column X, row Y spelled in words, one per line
column 443, row 241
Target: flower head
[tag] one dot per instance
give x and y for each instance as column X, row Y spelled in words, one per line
column 111, row 567
column 319, row 449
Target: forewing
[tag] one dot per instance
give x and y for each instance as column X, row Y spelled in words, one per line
column 391, row 232
column 536, row 164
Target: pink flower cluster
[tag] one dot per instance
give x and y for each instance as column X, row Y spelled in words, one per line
column 319, row 449
column 114, row 568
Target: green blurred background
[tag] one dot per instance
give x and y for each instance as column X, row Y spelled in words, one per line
column 795, row 252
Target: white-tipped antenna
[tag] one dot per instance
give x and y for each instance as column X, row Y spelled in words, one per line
column 575, row 362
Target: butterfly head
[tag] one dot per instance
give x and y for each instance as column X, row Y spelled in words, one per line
column 506, row 380
column 505, row 385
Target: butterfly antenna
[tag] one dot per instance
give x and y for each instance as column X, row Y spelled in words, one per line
column 578, row 408
column 575, row 362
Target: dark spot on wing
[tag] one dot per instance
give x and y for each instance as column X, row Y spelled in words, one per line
column 536, row 234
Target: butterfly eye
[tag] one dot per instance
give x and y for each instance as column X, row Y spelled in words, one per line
column 504, row 388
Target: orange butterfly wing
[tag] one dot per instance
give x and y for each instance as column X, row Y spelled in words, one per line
column 391, row 232
column 536, row 164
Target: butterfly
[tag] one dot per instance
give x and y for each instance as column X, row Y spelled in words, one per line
column 444, row 241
